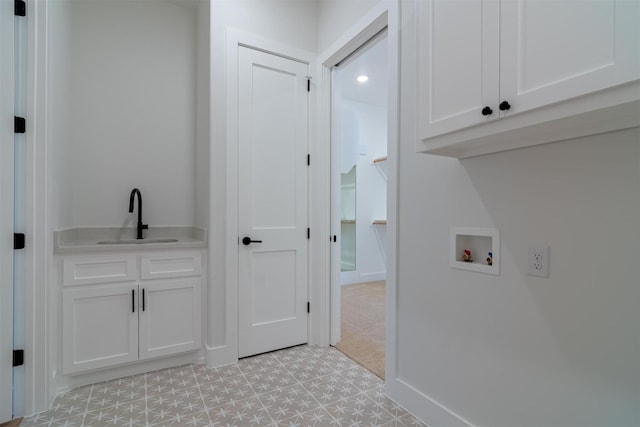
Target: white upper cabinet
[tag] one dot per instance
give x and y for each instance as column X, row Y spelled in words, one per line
column 458, row 64
column 568, row 66
column 553, row 50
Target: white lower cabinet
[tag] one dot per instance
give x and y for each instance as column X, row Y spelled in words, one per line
column 100, row 326
column 109, row 324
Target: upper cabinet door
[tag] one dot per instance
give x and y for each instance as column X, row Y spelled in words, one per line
column 458, row 64
column 555, row 50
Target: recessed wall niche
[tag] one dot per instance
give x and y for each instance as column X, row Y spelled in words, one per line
column 475, row 249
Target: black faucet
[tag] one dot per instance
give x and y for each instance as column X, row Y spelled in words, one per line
column 141, row 226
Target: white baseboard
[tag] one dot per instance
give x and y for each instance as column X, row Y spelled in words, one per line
column 221, row 356
column 422, row 406
column 69, row 382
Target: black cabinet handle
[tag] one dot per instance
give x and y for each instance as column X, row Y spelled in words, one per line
column 247, row 241
column 487, row 111
column 133, row 300
column 142, row 299
column 504, row 106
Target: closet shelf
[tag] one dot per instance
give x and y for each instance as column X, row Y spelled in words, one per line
column 379, row 222
column 347, row 221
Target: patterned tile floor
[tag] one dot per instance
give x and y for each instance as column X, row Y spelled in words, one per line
column 300, row 386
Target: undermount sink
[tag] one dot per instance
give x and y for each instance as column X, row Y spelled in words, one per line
column 136, row 241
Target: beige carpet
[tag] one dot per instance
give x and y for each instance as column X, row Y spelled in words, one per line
column 362, row 328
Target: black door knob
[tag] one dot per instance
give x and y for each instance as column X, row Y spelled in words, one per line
column 487, row 111
column 247, row 241
column 504, row 106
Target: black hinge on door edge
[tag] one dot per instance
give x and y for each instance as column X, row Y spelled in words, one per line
column 308, row 307
column 18, row 357
column 19, row 124
column 335, row 239
column 308, row 233
column 308, row 159
column 18, row 240
column 20, row 8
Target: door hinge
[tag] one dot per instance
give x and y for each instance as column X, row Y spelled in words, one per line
column 19, row 8
column 18, row 240
column 18, row 357
column 308, row 83
column 308, row 159
column 308, row 307
column 19, row 124
column 308, row 233
column 335, row 239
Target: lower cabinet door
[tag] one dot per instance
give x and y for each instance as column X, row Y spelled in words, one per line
column 170, row 316
column 100, row 326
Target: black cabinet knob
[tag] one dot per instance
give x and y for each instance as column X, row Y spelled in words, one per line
column 487, row 111
column 247, row 241
column 504, row 106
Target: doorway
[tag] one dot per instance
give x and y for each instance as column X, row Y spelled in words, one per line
column 359, row 182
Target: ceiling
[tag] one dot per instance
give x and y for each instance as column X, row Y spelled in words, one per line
column 369, row 60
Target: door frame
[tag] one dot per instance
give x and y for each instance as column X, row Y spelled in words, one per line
column 6, row 208
column 228, row 351
column 384, row 14
column 40, row 311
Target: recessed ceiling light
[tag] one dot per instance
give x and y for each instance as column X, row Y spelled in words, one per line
column 363, row 78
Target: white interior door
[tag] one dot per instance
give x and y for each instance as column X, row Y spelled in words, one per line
column 6, row 207
column 273, row 205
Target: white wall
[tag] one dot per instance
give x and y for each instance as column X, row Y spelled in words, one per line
column 133, row 111
column 203, row 123
column 371, row 200
column 335, row 17
column 59, row 103
column 511, row 349
column 59, row 118
column 59, row 162
column 289, row 22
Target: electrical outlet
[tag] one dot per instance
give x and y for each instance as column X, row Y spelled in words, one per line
column 538, row 261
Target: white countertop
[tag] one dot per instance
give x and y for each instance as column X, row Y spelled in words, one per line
column 86, row 239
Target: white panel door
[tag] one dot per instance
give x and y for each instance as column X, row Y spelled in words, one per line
column 458, row 64
column 273, row 144
column 170, row 320
column 560, row 49
column 6, row 207
column 99, row 326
